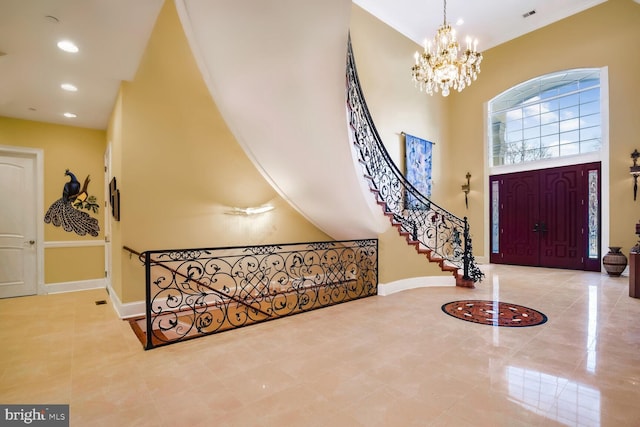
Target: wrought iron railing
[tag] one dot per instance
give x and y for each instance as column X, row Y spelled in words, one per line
column 196, row 292
column 436, row 229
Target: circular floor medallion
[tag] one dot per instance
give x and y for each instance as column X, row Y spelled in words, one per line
column 494, row 313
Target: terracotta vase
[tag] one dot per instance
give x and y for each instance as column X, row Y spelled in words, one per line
column 614, row 262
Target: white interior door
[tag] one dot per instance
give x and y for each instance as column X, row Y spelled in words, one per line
column 18, row 228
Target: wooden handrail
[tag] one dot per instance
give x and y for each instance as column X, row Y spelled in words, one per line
column 134, row 252
column 142, row 258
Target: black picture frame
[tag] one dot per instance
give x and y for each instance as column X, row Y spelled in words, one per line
column 114, row 199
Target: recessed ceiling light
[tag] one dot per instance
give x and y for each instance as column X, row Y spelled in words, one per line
column 68, row 46
column 69, row 87
column 70, row 115
column 460, row 21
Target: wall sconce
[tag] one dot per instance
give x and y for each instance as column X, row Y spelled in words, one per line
column 467, row 187
column 635, row 172
column 250, row 211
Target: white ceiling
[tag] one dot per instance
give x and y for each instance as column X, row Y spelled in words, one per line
column 492, row 22
column 112, row 35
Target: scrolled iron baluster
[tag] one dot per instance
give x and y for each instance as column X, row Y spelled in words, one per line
column 216, row 289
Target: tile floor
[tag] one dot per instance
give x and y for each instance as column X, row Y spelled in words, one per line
column 396, row 360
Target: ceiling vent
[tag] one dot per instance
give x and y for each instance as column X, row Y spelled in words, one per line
column 528, row 14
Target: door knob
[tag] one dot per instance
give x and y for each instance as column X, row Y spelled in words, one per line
column 535, row 227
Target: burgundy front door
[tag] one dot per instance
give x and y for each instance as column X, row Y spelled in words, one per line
column 518, row 215
column 543, row 218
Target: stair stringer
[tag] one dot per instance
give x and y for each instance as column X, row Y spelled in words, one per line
column 420, row 249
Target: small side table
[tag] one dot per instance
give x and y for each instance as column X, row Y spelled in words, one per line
column 634, row 275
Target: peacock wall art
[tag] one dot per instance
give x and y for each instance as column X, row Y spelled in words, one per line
column 68, row 211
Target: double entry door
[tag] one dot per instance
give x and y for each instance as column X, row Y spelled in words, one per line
column 547, row 217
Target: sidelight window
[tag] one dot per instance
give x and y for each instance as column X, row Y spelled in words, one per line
column 594, row 215
column 495, row 217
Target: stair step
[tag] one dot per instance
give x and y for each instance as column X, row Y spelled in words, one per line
column 420, row 248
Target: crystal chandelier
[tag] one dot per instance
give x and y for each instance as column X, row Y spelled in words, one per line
column 439, row 68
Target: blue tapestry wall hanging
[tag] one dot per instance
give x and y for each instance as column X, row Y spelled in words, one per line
column 418, row 159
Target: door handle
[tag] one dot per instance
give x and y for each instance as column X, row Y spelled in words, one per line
column 539, row 228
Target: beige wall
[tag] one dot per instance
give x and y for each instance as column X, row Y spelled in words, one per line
column 383, row 59
column 74, row 264
column 604, row 36
column 80, row 150
column 180, row 169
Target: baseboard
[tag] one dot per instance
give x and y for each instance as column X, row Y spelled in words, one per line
column 415, row 282
column 482, row 260
column 126, row 310
column 80, row 285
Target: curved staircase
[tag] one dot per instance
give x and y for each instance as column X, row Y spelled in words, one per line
column 433, row 231
column 296, row 133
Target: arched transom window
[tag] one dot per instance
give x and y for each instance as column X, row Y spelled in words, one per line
column 554, row 115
